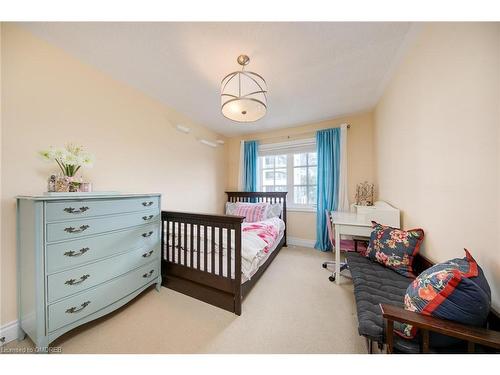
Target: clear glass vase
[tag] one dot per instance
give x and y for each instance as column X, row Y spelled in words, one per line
column 67, row 184
column 62, row 184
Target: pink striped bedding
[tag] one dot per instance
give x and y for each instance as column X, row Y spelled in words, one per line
column 252, row 211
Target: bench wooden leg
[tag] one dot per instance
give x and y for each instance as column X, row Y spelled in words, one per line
column 425, row 341
column 389, row 335
column 369, row 346
column 380, row 347
column 471, row 347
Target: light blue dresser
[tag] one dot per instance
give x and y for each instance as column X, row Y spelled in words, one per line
column 82, row 256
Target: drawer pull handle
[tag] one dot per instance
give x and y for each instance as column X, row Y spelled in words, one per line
column 148, row 254
column 147, row 234
column 74, row 282
column 73, row 310
column 147, row 204
column 73, row 253
column 148, row 274
column 79, row 230
column 71, row 210
column 147, row 217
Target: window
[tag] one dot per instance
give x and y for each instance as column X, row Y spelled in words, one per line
column 274, row 172
column 292, row 167
column 305, row 168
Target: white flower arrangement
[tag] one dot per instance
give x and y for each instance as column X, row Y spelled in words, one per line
column 70, row 158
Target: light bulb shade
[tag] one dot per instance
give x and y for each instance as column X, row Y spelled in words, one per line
column 243, row 96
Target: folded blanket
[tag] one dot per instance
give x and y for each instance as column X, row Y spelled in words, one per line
column 263, row 231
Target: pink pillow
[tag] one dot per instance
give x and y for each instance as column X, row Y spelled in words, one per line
column 252, row 211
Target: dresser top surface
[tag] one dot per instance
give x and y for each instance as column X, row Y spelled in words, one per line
column 85, row 196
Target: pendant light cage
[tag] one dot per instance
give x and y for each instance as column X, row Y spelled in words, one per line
column 243, row 94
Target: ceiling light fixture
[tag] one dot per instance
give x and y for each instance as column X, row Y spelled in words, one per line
column 243, row 94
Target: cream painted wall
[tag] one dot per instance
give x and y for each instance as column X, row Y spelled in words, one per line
column 431, row 145
column 360, row 161
column 1, row 130
column 50, row 98
column 437, row 141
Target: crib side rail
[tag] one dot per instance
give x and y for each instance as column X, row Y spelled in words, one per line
column 202, row 248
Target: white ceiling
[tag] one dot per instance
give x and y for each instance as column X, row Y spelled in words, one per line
column 314, row 71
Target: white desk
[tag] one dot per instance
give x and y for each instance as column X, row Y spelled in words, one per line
column 359, row 224
column 351, row 224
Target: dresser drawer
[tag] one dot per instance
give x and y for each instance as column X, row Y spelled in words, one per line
column 77, row 307
column 69, row 254
column 86, row 227
column 57, row 211
column 66, row 283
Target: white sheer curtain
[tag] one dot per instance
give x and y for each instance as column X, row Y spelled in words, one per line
column 343, row 204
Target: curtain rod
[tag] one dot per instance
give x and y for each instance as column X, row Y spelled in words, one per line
column 303, row 133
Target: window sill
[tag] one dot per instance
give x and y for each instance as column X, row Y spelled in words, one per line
column 301, row 209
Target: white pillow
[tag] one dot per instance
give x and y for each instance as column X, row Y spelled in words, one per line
column 230, row 208
column 274, row 210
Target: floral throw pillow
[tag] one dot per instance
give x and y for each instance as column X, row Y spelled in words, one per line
column 455, row 290
column 394, row 248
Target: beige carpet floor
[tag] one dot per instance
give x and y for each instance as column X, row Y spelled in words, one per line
column 292, row 309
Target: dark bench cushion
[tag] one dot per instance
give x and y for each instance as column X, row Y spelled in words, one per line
column 374, row 284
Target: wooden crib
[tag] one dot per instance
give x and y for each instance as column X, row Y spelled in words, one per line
column 211, row 277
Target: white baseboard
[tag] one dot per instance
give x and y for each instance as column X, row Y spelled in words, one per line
column 300, row 242
column 8, row 332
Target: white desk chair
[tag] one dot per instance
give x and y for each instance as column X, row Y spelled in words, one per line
column 331, row 237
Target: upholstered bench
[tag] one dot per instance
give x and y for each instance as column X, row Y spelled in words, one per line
column 376, row 286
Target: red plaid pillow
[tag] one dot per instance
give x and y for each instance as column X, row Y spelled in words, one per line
column 252, row 211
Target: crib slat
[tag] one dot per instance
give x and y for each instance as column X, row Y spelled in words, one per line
column 228, row 275
column 166, row 240
column 212, row 262
column 191, row 245
column 185, row 244
column 205, row 246
column 197, row 246
column 221, row 251
column 173, row 242
column 171, row 249
column 177, row 247
column 179, row 242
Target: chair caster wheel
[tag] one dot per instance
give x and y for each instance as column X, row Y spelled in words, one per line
column 324, row 265
column 331, row 278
